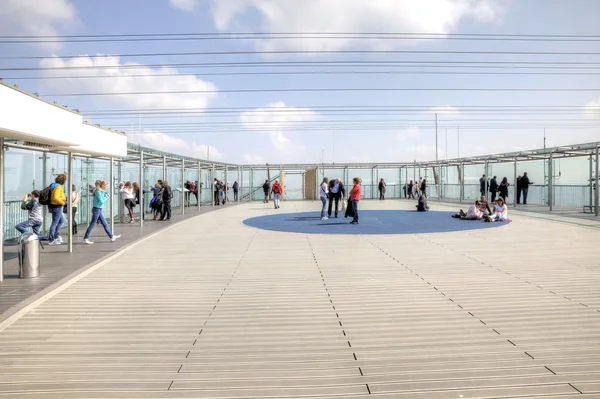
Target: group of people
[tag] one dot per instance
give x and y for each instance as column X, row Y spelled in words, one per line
column 160, row 204
column 334, row 192
column 221, row 192
column 55, row 199
column 481, row 210
column 412, row 190
column 494, row 188
column 276, row 190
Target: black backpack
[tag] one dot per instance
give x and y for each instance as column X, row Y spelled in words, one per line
column 45, row 196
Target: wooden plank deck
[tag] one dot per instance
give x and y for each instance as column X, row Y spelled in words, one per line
column 215, row 309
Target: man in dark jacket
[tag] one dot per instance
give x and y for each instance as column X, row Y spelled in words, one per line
column 519, row 189
column 525, row 186
column 494, row 188
column 235, row 190
column 336, row 192
column 167, row 196
column 382, row 186
column 267, row 190
column 482, row 183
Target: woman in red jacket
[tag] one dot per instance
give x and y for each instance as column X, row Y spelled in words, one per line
column 354, row 198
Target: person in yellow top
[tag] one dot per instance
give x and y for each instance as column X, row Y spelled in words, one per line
column 57, row 202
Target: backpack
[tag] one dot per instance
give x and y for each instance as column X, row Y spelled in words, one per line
column 276, row 190
column 45, row 196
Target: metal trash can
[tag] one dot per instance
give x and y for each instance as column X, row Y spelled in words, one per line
column 29, row 256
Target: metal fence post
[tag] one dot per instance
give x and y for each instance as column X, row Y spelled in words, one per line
column 69, row 195
column 183, row 194
column 45, row 182
column 212, row 184
column 516, row 189
column 112, row 200
column 142, row 204
column 119, row 203
column 199, row 185
column 550, row 182
column 2, row 208
column 597, row 193
column 591, row 177
column 485, row 183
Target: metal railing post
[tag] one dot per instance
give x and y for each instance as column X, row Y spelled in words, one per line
column 485, row 183
column 142, row 188
column 550, row 182
column 183, row 194
column 212, row 185
column 597, row 192
column 199, row 185
column 69, row 195
column 112, row 200
column 2, row 208
column 516, row 189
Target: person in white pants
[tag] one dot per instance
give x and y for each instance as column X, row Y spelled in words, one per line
column 501, row 211
column 277, row 191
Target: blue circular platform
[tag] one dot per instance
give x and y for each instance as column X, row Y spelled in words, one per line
column 371, row 222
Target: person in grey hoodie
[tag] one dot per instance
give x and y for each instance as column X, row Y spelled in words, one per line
column 31, row 204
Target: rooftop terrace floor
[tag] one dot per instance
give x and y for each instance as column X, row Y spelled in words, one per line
column 211, row 308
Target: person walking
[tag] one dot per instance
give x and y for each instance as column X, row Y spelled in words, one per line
column 424, row 188
column 337, row 192
column 504, row 185
column 382, row 187
column 266, row 188
column 277, row 191
column 100, row 198
column 323, row 195
column 57, row 202
column 494, row 188
column 74, row 206
column 235, row 190
column 126, row 191
column 167, row 196
column 32, row 206
column 525, row 183
column 410, row 190
column 354, row 198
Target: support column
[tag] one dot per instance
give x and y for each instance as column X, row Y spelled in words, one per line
column 304, row 186
column 111, row 186
column 406, row 182
column 212, row 185
column 164, row 168
column 550, row 182
column 239, row 180
column 45, row 184
column 597, row 192
column 373, row 183
column 439, row 185
column 142, row 203
column 591, row 181
column 250, row 183
column 2, row 207
column 182, row 201
column 199, row 185
column 486, row 181
column 119, row 202
column 69, row 195
column 515, row 185
column 461, row 183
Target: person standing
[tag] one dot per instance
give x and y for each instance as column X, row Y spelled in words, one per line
column 156, row 202
column 216, row 191
column 34, row 209
column 277, row 191
column 266, row 188
column 410, row 190
column 100, row 198
column 74, row 205
column 139, row 198
column 482, row 183
column 354, row 198
column 57, row 202
column 525, row 183
column 404, row 190
column 235, row 191
column 167, row 196
column 504, row 185
column 196, row 191
column 418, row 187
column 494, row 188
column 337, row 192
column 424, row 188
column 323, row 195
column 188, row 192
column 382, row 187
column 519, row 187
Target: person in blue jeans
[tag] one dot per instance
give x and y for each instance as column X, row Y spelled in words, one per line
column 100, row 198
column 324, row 194
column 57, row 201
column 31, row 204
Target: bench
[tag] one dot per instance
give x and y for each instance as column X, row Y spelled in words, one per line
column 587, row 208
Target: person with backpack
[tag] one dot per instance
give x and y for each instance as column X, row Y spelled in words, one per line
column 100, row 198
column 266, row 188
column 277, row 191
column 34, row 209
column 54, row 197
column 167, row 196
column 156, row 201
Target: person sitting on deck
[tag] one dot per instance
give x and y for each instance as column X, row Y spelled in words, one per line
column 484, row 206
column 473, row 213
column 422, row 206
column 501, row 214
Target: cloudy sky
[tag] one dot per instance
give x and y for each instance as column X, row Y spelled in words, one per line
column 343, row 80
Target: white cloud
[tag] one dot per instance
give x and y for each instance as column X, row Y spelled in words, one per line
column 279, row 117
column 410, row 133
column 358, row 16
column 164, row 142
column 592, row 109
column 186, row 5
column 444, row 110
column 36, row 17
column 116, row 80
column 254, row 159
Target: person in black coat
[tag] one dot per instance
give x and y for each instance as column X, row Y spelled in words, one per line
column 504, row 189
column 494, row 188
column 267, row 190
column 337, row 191
column 525, row 182
column 167, row 196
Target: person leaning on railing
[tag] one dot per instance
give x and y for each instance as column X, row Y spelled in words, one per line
column 33, row 207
